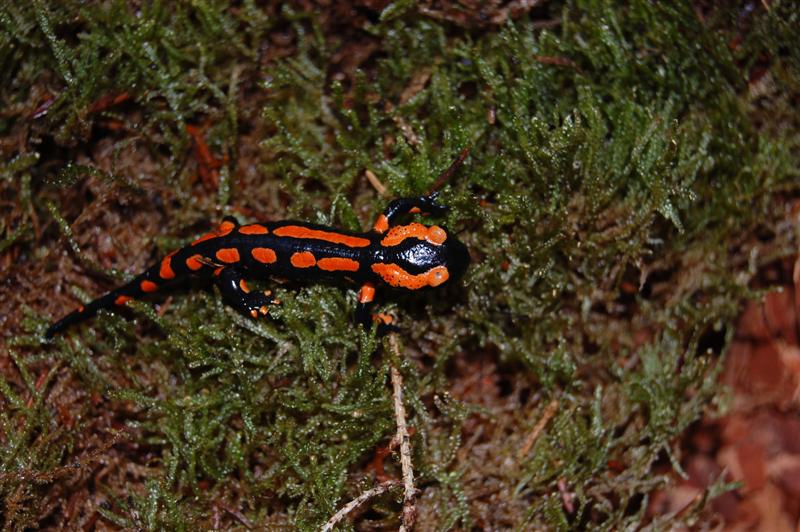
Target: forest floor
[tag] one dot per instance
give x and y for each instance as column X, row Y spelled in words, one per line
column 622, row 352
column 757, row 442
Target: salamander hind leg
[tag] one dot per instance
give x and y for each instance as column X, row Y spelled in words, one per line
column 237, row 294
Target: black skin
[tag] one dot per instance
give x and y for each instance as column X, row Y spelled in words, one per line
column 414, row 255
column 426, row 204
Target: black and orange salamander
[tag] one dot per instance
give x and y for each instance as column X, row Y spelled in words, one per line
column 407, row 257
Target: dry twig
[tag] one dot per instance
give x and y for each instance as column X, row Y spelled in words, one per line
column 248, row 524
column 402, row 438
column 548, row 414
column 376, row 183
column 409, row 491
column 380, row 489
column 447, row 174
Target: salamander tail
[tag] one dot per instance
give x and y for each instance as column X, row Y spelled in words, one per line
column 113, row 300
column 83, row 312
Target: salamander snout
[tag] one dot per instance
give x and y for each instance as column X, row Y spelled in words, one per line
column 457, row 257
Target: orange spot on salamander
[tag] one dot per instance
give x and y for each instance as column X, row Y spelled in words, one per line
column 226, row 227
column 228, row 255
column 381, row 225
column 166, row 271
column 386, row 319
column 396, row 276
column 434, row 234
column 366, row 294
column 223, row 229
column 437, row 275
column 194, row 262
column 334, row 264
column 303, row 259
column 243, row 286
column 265, row 255
column 297, row 231
column 121, row 300
column 148, row 286
column 255, row 229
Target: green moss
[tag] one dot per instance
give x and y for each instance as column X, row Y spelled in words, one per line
column 623, row 147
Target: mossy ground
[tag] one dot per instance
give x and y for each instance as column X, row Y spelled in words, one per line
column 631, row 168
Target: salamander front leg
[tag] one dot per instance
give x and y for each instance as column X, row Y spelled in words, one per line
column 400, row 206
column 237, row 294
column 366, row 295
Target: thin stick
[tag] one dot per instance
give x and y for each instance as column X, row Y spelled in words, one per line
column 240, row 516
column 358, row 501
column 447, row 174
column 376, row 183
column 548, row 414
column 409, row 491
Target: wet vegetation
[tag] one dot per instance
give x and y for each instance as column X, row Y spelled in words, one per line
column 632, row 165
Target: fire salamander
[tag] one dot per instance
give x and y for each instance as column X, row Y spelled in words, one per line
column 408, row 257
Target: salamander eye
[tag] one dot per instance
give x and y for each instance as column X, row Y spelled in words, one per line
column 436, row 235
column 438, row 275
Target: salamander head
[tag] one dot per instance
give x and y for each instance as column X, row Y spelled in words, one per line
column 416, row 256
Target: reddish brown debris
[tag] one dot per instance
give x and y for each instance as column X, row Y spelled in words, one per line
column 107, row 101
column 757, row 443
column 208, row 165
